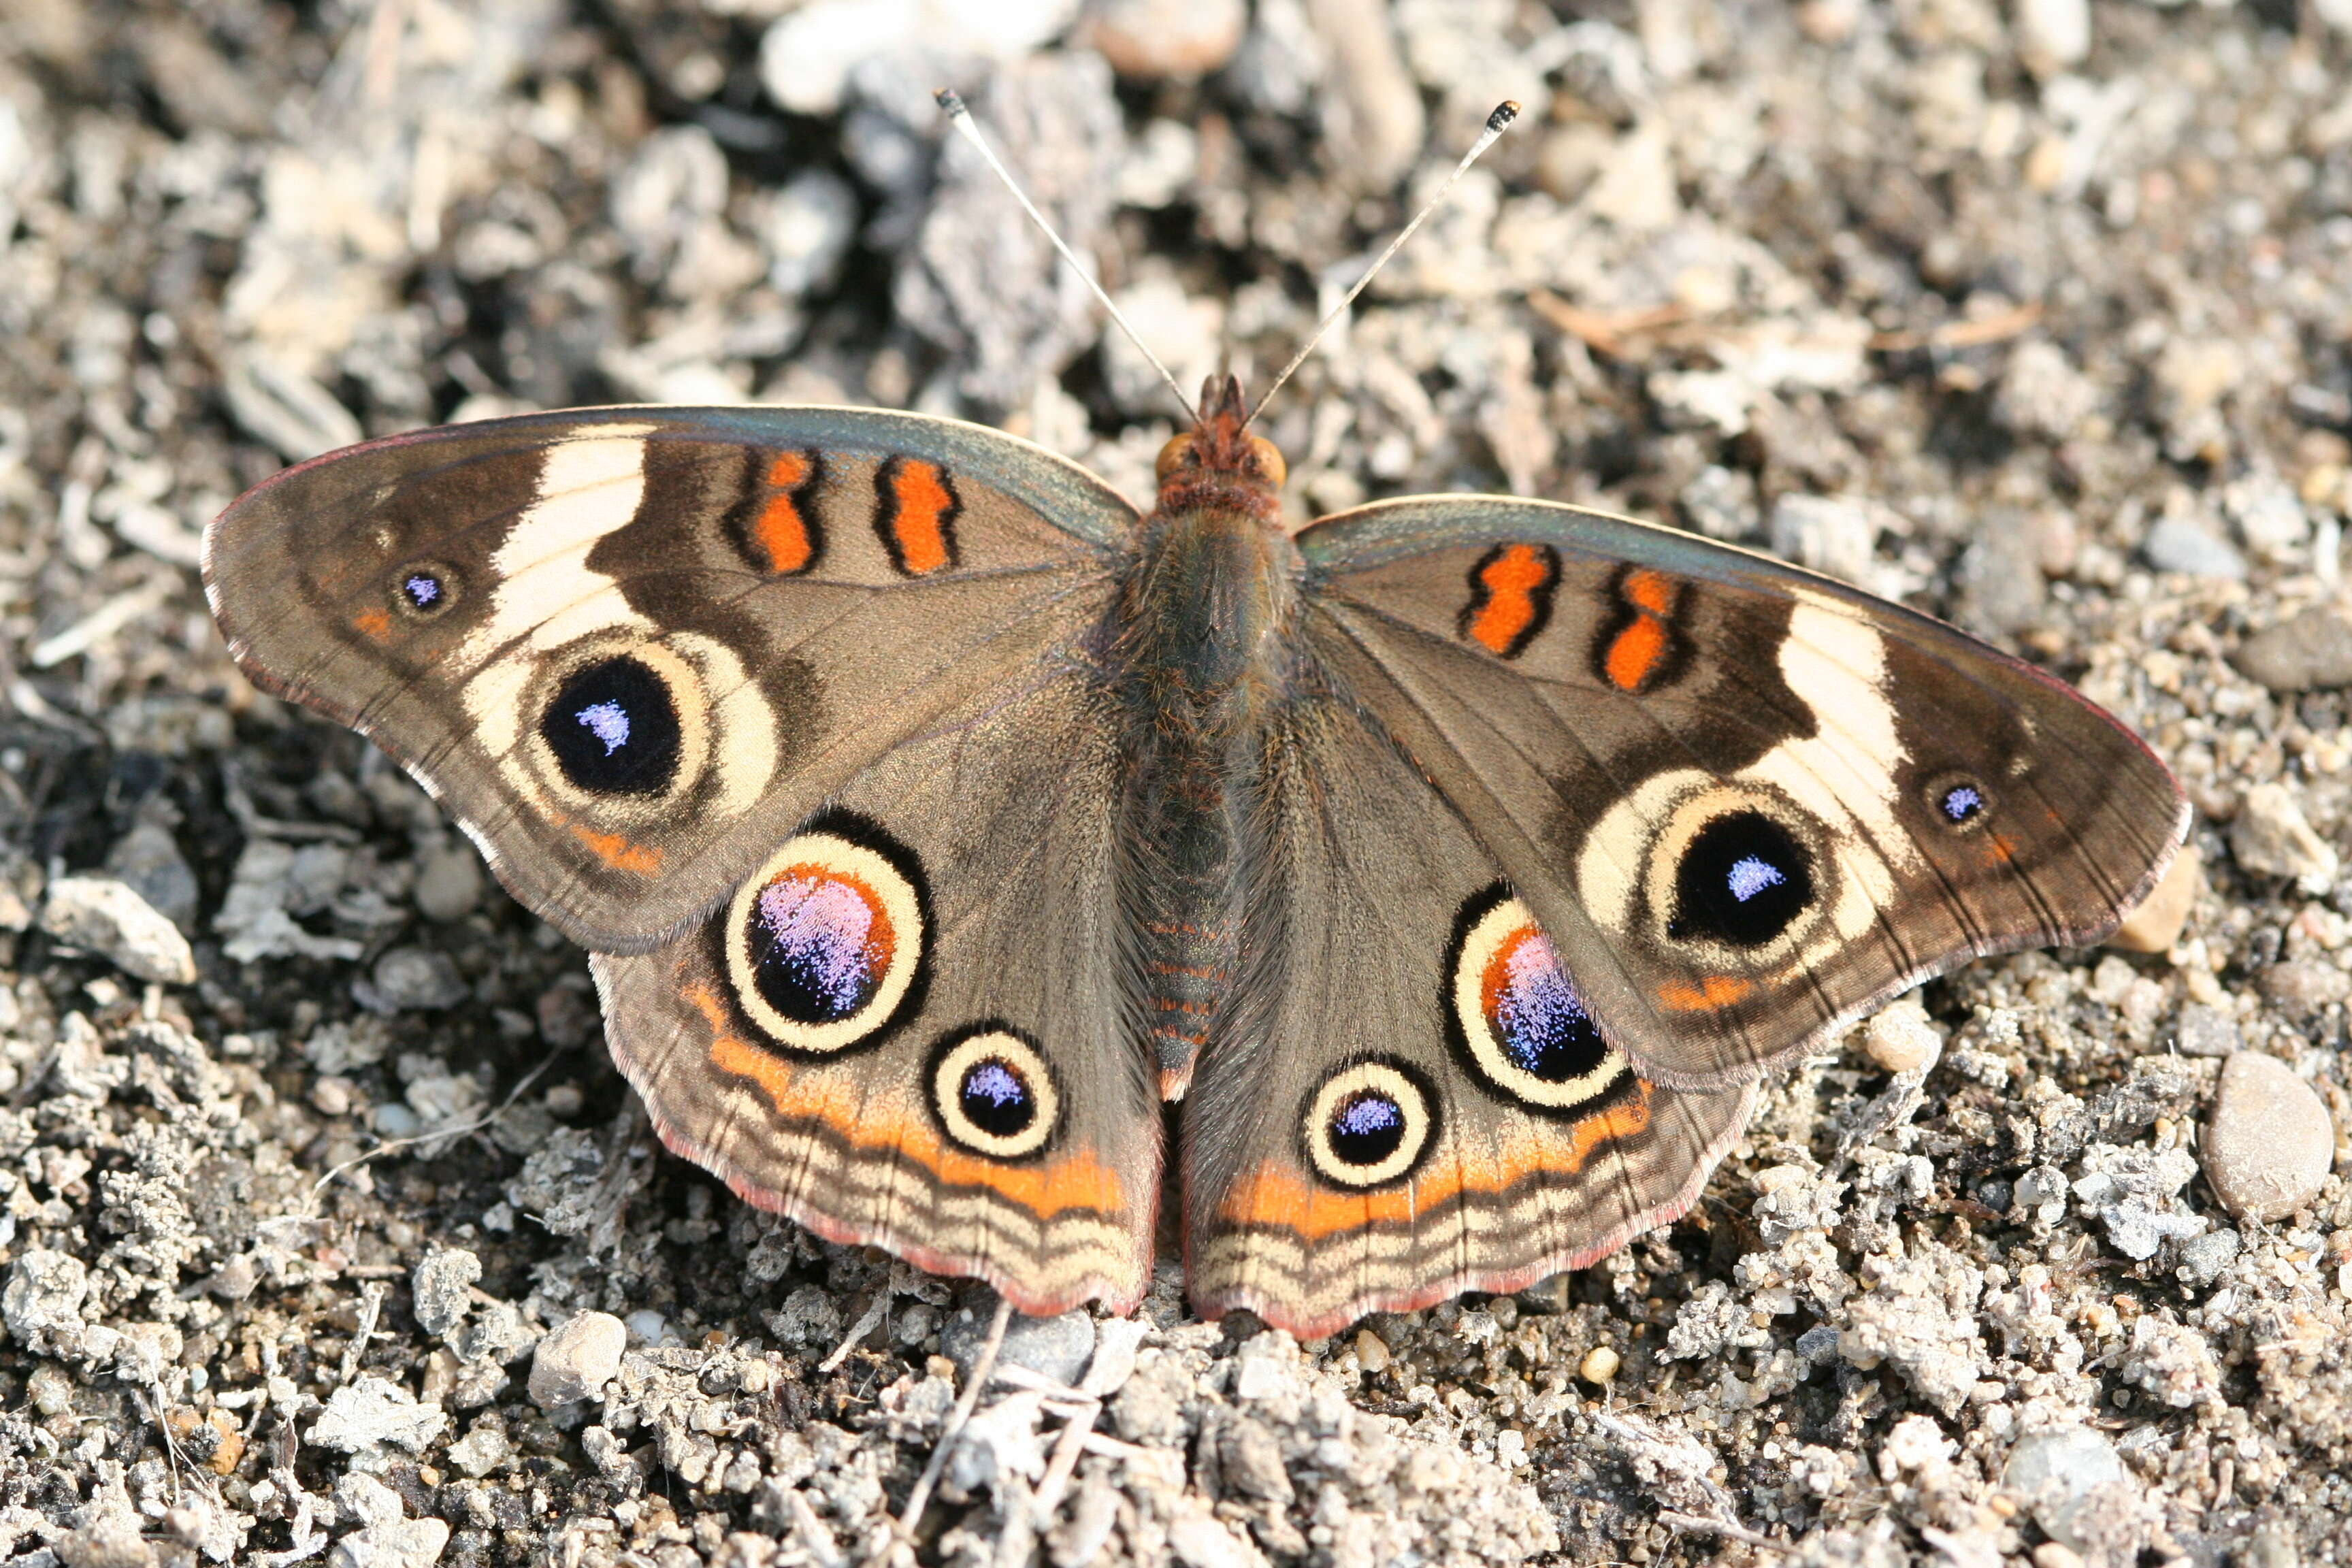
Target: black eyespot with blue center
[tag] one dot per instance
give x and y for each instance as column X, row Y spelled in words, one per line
column 424, row 590
column 1959, row 802
column 1743, row 881
column 613, row 729
column 992, row 1091
column 1368, row 1124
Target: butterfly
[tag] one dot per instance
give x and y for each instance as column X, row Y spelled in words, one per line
column 936, row 821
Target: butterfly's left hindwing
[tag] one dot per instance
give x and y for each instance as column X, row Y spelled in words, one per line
column 1746, row 802
column 909, row 1028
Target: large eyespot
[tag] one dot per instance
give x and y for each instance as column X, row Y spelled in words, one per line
column 1742, row 880
column 1514, row 1013
column 426, row 590
column 826, row 943
column 993, row 1093
column 1959, row 802
column 614, row 728
column 1369, row 1124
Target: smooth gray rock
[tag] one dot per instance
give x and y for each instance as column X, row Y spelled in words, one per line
column 2309, row 653
column 2269, row 1142
column 1058, row 1348
column 2177, row 544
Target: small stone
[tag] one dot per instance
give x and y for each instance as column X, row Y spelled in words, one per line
column 2203, row 1258
column 2178, row 544
column 2054, row 1474
column 438, row 1288
column 2155, row 923
column 2305, row 987
column 1372, row 1351
column 577, row 1359
column 1167, row 40
column 371, row 1413
column 2053, row 35
column 1900, row 1038
column 2312, row 652
column 448, row 880
column 2269, row 1142
column 1600, row 1365
column 1827, row 534
column 2206, row 1031
column 41, row 1304
column 419, row 978
column 481, row 1451
column 2271, row 837
column 1058, row 1348
column 104, row 916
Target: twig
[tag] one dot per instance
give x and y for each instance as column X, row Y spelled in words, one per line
column 1968, row 334
column 868, row 1321
column 1603, row 334
column 984, row 1367
column 438, row 1134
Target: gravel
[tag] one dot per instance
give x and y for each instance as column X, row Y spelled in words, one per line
column 2030, row 315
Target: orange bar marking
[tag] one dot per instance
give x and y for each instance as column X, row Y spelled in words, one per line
column 1278, row 1195
column 1715, row 990
column 920, row 524
column 1507, row 609
column 374, row 624
column 621, row 853
column 781, row 532
column 1635, row 653
column 1076, row 1181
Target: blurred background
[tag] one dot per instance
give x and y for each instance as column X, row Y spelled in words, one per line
column 2035, row 313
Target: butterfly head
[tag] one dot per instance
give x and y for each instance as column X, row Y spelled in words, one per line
column 1218, row 462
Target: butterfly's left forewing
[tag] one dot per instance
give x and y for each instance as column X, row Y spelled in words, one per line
column 1746, row 801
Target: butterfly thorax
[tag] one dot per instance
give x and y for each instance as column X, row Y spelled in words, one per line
column 1201, row 656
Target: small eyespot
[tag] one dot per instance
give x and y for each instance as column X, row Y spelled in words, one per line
column 614, row 728
column 1369, row 1124
column 1743, row 879
column 1526, row 1030
column 825, row 942
column 1171, row 456
column 424, row 590
column 993, row 1093
column 1959, row 802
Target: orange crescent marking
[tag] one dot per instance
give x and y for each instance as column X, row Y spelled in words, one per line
column 1076, row 1181
column 923, row 501
column 1511, row 581
column 782, row 532
column 374, row 623
column 1278, row 1195
column 1715, row 990
column 622, row 854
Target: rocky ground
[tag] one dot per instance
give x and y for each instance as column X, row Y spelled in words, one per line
column 326, row 1228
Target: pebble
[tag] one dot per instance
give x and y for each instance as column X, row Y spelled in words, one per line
column 1825, row 532
column 1058, row 1348
column 419, row 978
column 2304, row 987
column 2310, row 653
column 2155, row 923
column 1900, row 1038
column 448, row 879
column 2271, row 837
column 1167, row 40
column 104, row 916
column 1372, row 1351
column 2053, row 35
column 2206, row 1031
column 579, row 1358
column 2269, row 1142
column 2178, row 544
column 147, row 859
column 2055, row 1473
column 1600, row 1365
column 438, row 1288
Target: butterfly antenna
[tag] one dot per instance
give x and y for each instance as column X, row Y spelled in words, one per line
column 959, row 115
column 1496, row 123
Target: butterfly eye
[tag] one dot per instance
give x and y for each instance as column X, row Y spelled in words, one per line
column 1269, row 460
column 1959, row 802
column 993, row 1093
column 1742, row 879
column 1368, row 1125
column 1526, row 1030
column 614, row 728
column 1171, row 456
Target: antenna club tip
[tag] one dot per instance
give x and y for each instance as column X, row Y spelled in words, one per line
column 1504, row 112
column 950, row 103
